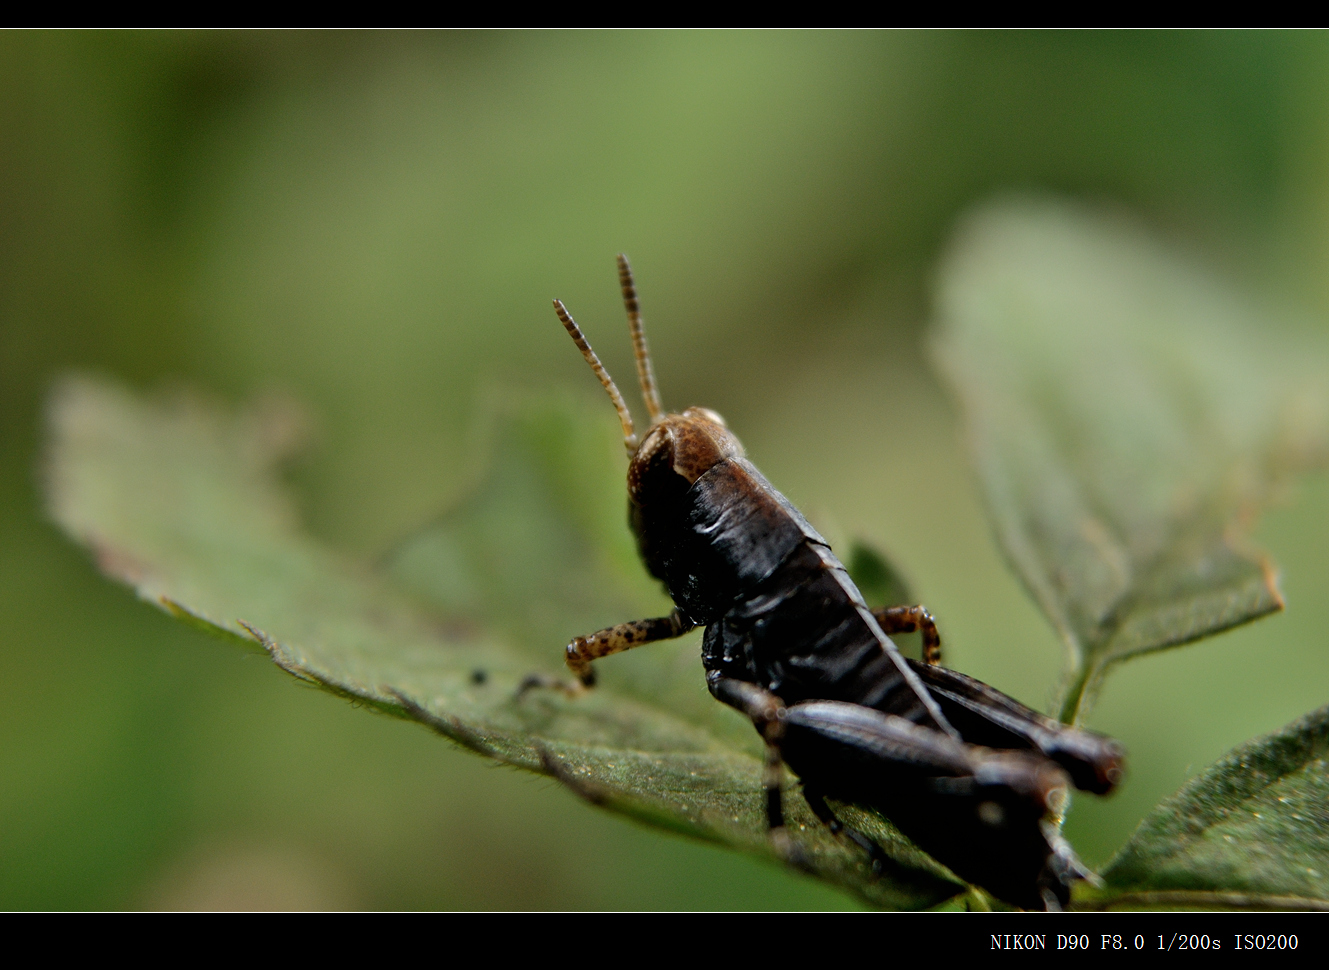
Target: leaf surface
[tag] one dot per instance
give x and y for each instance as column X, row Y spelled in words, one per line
column 1252, row 830
column 876, row 577
column 1129, row 416
column 180, row 498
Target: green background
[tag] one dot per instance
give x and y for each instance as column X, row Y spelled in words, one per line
column 375, row 223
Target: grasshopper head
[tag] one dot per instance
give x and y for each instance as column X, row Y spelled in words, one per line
column 677, row 450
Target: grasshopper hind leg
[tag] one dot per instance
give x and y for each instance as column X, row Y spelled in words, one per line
column 817, row 802
column 767, row 713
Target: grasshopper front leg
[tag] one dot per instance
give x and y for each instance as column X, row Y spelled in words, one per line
column 615, row 639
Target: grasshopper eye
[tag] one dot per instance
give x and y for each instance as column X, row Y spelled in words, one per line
column 657, row 439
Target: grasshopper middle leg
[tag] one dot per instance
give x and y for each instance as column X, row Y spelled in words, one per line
column 907, row 619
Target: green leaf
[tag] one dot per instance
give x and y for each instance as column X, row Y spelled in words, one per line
column 181, row 499
column 1129, row 416
column 540, row 552
column 1251, row 831
column 876, row 578
column 882, row 584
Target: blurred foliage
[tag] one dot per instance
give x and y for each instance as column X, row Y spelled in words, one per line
column 1126, row 430
column 178, row 500
column 375, row 223
column 1130, row 418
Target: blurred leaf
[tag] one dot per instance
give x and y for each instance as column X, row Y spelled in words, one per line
column 1251, row 831
column 179, row 499
column 540, row 552
column 1129, row 418
column 876, row 578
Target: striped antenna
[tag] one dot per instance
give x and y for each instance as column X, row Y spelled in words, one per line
column 645, row 373
column 624, row 416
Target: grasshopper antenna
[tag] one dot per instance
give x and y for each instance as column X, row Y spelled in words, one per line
column 624, row 415
column 645, row 372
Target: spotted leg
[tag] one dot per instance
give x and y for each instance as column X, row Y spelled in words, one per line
column 615, row 639
column 582, row 650
column 907, row 619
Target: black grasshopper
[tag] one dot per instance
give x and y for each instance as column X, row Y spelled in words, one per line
column 972, row 776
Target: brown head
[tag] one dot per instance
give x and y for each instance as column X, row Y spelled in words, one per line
column 675, row 446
